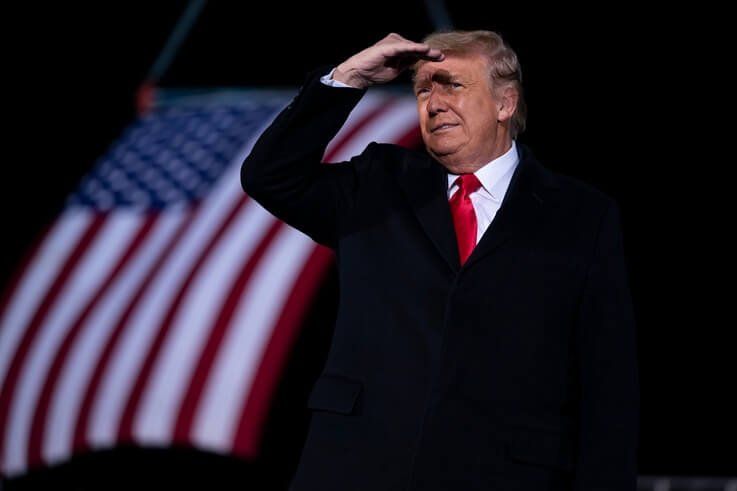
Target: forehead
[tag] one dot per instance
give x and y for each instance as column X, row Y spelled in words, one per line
column 467, row 66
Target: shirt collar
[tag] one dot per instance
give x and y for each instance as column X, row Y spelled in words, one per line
column 495, row 175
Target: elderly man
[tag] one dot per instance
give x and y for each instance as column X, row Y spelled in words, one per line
column 485, row 336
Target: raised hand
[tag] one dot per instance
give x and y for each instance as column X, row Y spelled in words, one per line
column 383, row 61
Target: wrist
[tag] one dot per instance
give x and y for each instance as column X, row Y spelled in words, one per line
column 348, row 76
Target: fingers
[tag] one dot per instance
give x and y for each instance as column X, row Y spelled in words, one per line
column 408, row 58
column 384, row 61
column 433, row 54
column 426, row 52
column 400, row 46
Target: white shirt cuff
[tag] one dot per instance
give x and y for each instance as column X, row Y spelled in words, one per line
column 328, row 80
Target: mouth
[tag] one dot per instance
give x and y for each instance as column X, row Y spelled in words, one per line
column 442, row 127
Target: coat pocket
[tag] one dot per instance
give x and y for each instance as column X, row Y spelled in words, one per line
column 335, row 393
column 542, row 448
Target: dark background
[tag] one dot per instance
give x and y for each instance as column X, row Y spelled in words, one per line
column 619, row 97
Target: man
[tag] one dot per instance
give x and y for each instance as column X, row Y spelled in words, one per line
column 485, row 336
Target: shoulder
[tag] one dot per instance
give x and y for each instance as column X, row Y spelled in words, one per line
column 575, row 201
column 392, row 158
column 568, row 188
column 386, row 150
column 591, row 203
column 584, row 192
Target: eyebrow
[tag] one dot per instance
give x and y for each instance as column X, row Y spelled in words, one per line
column 440, row 76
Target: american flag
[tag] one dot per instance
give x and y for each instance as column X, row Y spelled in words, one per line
column 160, row 307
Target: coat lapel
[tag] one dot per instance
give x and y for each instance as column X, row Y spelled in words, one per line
column 425, row 183
column 522, row 209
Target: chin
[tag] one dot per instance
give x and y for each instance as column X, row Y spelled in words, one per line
column 454, row 162
column 449, row 153
column 443, row 151
column 454, row 167
column 450, row 162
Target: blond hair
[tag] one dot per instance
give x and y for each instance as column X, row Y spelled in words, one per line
column 504, row 67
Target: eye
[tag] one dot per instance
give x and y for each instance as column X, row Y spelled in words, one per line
column 456, row 85
column 421, row 91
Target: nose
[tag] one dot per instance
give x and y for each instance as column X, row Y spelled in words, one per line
column 436, row 103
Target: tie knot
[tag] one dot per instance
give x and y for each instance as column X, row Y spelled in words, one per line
column 468, row 183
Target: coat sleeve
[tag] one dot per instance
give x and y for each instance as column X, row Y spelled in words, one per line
column 606, row 338
column 284, row 172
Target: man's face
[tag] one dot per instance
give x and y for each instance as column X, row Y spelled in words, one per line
column 458, row 112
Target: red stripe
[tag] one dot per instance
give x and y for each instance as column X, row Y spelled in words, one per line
column 39, row 417
column 9, row 385
column 193, row 397
column 256, row 403
column 81, row 444
column 125, row 432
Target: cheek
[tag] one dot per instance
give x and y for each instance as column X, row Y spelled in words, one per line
column 484, row 121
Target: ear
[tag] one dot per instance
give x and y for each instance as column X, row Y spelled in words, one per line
column 507, row 104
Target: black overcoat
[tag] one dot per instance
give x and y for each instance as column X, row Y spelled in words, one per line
column 516, row 371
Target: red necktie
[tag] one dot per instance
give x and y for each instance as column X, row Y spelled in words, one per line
column 464, row 218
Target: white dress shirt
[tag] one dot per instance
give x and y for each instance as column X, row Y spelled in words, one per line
column 494, row 177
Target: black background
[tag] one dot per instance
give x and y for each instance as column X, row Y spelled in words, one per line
column 619, row 97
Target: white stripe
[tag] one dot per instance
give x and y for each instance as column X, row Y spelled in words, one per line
column 94, row 334
column 193, row 324
column 94, row 267
column 40, row 274
column 216, row 421
column 126, row 360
